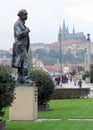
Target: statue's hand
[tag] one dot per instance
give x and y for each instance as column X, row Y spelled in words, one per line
column 28, row 30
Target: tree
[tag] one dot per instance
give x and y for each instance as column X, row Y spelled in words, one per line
column 68, row 57
column 7, row 86
column 80, row 56
column 41, row 53
column 53, row 54
column 91, row 73
column 49, row 61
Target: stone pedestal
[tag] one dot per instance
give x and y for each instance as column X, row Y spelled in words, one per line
column 24, row 107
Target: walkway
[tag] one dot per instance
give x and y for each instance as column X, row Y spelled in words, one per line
column 84, row 85
column 58, row 119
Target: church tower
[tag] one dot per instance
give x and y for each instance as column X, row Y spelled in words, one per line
column 65, row 35
column 59, row 34
column 63, row 31
column 73, row 30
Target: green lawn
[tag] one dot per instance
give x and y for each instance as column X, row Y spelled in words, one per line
column 73, row 108
column 64, row 109
column 51, row 125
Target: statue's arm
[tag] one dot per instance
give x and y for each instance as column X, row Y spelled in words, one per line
column 20, row 33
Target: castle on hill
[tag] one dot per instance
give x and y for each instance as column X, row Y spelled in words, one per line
column 64, row 34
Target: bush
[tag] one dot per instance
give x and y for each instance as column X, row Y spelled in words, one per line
column 7, row 86
column 70, row 93
column 44, row 83
column 91, row 73
column 85, row 75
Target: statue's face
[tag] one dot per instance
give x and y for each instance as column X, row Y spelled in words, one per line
column 24, row 16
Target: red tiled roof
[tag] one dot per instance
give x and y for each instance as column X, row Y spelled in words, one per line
column 67, row 42
column 56, row 68
column 52, row 68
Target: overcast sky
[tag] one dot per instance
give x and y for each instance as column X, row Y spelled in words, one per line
column 44, row 18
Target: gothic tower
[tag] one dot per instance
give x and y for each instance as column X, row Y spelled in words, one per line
column 65, row 35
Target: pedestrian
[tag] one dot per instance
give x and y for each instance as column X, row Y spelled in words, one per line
column 80, row 83
column 75, row 80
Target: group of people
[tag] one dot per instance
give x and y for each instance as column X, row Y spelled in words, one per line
column 61, row 78
column 66, row 78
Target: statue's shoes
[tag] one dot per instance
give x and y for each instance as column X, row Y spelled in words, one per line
column 30, row 82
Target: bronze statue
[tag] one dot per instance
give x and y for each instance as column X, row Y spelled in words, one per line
column 20, row 48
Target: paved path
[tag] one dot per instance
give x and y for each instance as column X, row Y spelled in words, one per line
column 84, row 85
column 54, row 119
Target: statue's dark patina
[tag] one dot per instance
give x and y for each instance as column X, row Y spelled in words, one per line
column 20, row 48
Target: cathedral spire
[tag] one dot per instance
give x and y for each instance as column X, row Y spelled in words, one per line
column 64, row 27
column 59, row 33
column 64, row 22
column 67, row 29
column 73, row 30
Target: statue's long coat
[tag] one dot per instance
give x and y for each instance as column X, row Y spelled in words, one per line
column 20, row 46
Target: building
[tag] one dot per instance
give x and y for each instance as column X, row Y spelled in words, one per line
column 35, row 46
column 68, row 45
column 65, row 35
column 5, row 61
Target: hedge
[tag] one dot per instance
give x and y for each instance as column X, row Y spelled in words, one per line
column 70, row 93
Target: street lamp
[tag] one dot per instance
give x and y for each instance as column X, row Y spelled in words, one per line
column 85, row 59
column 60, row 51
column 60, row 57
column 88, row 52
column 36, row 58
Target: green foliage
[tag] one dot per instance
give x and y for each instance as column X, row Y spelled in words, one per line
column 50, row 57
column 53, row 53
column 80, row 53
column 41, row 53
column 5, row 53
column 7, row 85
column 44, row 83
column 80, row 68
column 70, row 93
column 86, row 74
column 91, row 70
column 49, row 61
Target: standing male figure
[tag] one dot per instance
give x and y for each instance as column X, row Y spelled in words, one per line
column 20, row 48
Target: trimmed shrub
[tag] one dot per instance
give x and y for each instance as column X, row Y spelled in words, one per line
column 91, row 73
column 85, row 75
column 70, row 93
column 44, row 83
column 7, row 86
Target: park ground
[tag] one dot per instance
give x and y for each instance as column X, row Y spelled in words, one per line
column 67, row 114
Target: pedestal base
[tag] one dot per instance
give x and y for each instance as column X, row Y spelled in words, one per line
column 24, row 107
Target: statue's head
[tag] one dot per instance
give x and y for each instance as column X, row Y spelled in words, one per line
column 22, row 14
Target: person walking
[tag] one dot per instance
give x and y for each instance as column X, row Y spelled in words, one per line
column 80, row 83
